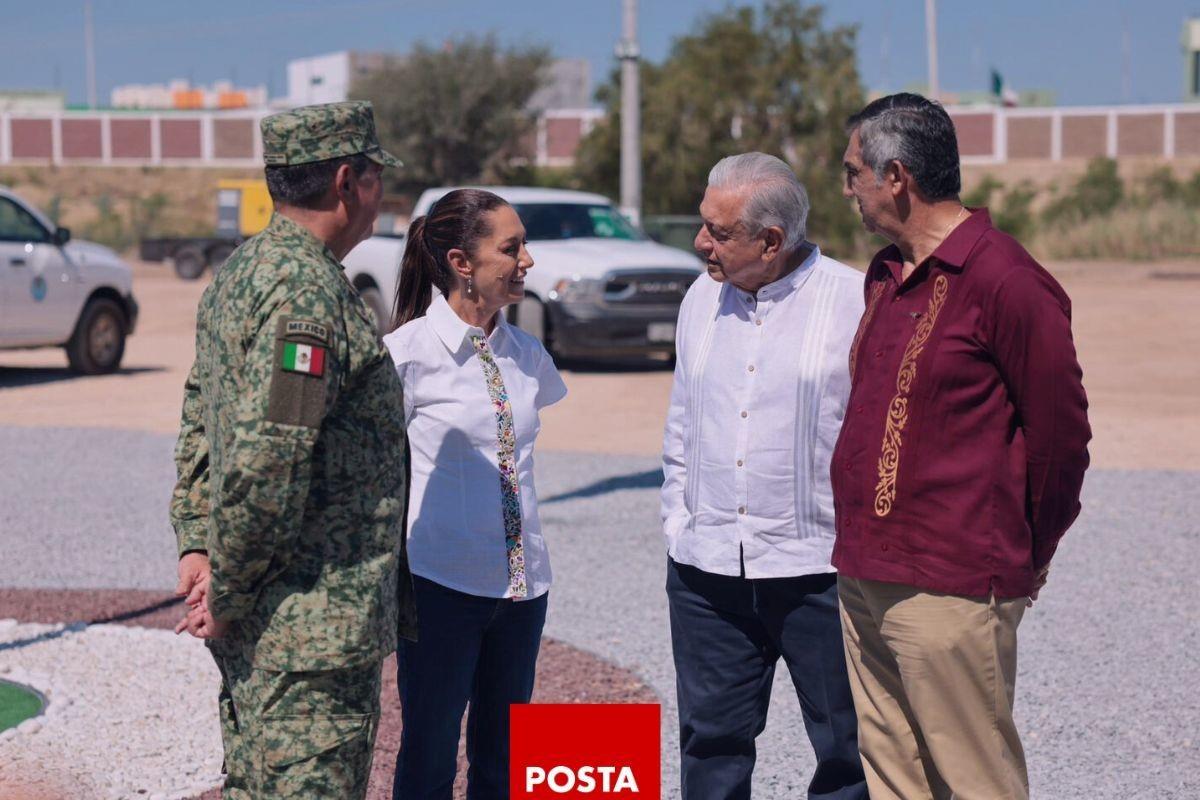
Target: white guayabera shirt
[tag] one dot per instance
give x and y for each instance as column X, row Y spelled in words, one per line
column 760, row 391
column 455, row 518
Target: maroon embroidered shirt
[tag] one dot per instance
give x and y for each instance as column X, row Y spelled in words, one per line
column 962, row 453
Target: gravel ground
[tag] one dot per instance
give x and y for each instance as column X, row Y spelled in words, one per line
column 165, row 687
column 66, row 673
column 86, row 509
column 1107, row 683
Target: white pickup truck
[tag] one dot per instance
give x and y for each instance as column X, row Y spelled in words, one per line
column 598, row 287
column 57, row 292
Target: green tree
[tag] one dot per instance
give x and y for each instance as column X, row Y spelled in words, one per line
column 774, row 79
column 456, row 114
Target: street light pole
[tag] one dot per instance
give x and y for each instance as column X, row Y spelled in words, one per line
column 931, row 43
column 631, row 120
column 89, row 47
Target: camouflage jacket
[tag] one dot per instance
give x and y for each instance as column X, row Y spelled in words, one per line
column 292, row 461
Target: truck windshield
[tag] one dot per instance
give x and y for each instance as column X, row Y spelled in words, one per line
column 551, row 221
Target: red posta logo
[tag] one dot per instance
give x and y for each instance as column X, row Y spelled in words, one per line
column 591, row 751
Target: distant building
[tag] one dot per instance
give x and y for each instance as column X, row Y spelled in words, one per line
column 328, row 78
column 32, row 100
column 564, row 105
column 569, row 86
column 1191, row 60
column 181, row 95
column 565, row 113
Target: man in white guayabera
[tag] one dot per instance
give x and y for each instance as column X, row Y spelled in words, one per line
column 761, row 381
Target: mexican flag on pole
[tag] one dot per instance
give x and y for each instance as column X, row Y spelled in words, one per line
column 304, row 358
column 1005, row 95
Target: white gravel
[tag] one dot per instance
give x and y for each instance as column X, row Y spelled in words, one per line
column 131, row 713
column 1107, row 677
column 1107, row 680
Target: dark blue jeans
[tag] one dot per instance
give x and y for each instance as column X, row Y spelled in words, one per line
column 473, row 649
column 727, row 634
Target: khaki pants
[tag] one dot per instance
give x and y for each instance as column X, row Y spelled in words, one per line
column 301, row 735
column 933, row 677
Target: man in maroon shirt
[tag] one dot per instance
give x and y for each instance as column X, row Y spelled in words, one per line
column 957, row 470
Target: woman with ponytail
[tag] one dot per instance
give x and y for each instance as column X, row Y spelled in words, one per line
column 473, row 388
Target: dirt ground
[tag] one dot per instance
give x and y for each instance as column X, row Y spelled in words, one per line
column 1135, row 328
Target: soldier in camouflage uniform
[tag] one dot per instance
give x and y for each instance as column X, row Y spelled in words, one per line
column 292, row 475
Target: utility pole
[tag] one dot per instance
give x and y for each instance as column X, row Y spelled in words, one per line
column 885, row 49
column 631, row 119
column 1126, row 62
column 89, row 48
column 931, row 43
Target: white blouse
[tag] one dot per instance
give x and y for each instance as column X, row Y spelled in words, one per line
column 455, row 520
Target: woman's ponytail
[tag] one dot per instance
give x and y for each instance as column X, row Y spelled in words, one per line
column 457, row 220
column 419, row 273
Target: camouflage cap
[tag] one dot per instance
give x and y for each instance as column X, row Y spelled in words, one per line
column 318, row 133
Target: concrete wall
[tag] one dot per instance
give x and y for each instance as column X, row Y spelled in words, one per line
column 132, row 139
column 997, row 136
column 229, row 139
column 221, row 139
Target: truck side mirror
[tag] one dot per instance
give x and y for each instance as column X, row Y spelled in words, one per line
column 62, row 236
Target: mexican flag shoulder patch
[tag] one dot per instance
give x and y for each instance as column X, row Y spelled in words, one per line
column 306, row 358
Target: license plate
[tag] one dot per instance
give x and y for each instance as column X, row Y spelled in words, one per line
column 660, row 332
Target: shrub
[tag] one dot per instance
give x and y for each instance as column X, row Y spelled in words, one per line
column 34, row 176
column 146, row 215
column 1190, row 192
column 1166, row 230
column 1014, row 215
column 981, row 195
column 108, row 228
column 53, row 209
column 1097, row 192
column 1011, row 210
column 1158, row 186
column 1100, row 190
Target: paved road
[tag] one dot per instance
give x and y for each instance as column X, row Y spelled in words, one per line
column 1108, row 679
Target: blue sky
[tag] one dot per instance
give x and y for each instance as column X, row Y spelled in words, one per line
column 1074, row 47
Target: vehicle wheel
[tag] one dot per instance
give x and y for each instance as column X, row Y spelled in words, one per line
column 531, row 318
column 217, row 257
column 374, row 300
column 189, row 262
column 98, row 343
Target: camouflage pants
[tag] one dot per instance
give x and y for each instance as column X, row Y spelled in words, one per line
column 297, row 734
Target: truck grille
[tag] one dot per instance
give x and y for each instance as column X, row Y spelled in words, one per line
column 646, row 288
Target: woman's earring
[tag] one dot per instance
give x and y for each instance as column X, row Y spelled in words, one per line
column 470, row 287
